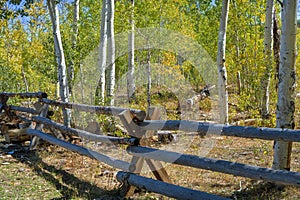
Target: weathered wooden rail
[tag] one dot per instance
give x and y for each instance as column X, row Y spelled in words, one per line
column 140, row 126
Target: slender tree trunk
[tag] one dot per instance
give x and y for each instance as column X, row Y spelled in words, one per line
column 60, row 58
column 287, row 81
column 222, row 83
column 100, row 92
column 239, row 83
column 130, row 74
column 276, row 45
column 25, row 79
column 81, row 82
column 111, row 69
column 74, row 44
column 149, row 78
column 268, row 38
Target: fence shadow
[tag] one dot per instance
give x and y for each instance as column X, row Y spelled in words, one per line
column 68, row 185
column 260, row 191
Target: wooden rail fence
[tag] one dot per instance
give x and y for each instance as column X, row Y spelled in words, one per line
column 140, row 127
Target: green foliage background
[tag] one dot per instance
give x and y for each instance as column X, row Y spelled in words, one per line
column 27, row 50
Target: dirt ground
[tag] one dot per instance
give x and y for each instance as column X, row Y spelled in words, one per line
column 51, row 172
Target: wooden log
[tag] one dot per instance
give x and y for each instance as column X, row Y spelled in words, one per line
column 120, row 164
column 139, row 115
column 16, row 136
column 133, row 130
column 1, row 107
column 87, row 135
column 223, row 130
column 39, row 126
column 23, row 109
column 25, row 94
column 3, row 100
column 155, row 166
column 136, row 162
column 204, row 93
column 163, row 188
column 237, row 169
column 24, row 119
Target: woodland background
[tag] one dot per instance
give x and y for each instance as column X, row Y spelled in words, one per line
column 28, row 63
column 27, row 56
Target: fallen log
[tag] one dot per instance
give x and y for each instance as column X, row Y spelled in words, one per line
column 16, row 136
column 204, row 93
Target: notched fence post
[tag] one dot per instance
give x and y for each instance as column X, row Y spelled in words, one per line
column 137, row 162
column 43, row 110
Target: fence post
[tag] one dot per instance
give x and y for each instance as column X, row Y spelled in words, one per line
column 3, row 106
column 156, row 167
column 138, row 162
column 43, row 110
column 3, row 100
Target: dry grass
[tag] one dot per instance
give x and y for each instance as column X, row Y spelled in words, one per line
column 54, row 173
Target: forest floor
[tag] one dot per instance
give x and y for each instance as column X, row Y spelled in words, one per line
column 54, row 173
column 51, row 172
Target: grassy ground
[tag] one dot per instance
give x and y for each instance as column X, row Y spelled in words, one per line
column 54, row 173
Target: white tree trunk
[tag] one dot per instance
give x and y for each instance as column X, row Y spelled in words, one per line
column 100, row 93
column 149, row 83
column 286, row 85
column 60, row 58
column 130, row 74
column 111, row 71
column 74, row 44
column 268, row 38
column 222, row 83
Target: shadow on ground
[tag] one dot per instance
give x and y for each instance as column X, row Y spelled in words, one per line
column 67, row 184
column 260, row 191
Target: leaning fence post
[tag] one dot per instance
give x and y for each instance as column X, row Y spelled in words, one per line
column 156, row 167
column 43, row 110
column 137, row 162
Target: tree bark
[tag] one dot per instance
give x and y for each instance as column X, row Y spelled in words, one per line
column 287, row 81
column 111, row 69
column 268, row 37
column 60, row 58
column 276, row 45
column 24, row 78
column 222, row 83
column 74, row 44
column 100, row 92
column 148, row 68
column 130, row 74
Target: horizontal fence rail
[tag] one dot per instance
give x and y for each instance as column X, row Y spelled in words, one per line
column 119, row 164
column 136, row 126
column 203, row 129
column 238, row 169
column 85, row 134
column 108, row 110
column 25, row 94
column 23, row 109
column 164, row 188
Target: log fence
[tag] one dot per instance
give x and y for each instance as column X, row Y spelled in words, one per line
column 140, row 127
